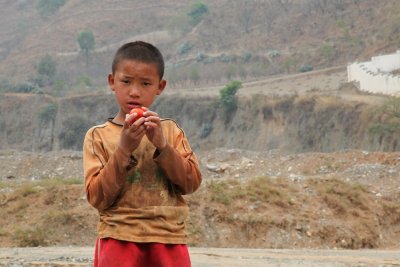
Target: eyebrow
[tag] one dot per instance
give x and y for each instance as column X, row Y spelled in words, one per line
column 132, row 77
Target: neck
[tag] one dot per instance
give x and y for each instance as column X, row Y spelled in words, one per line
column 119, row 118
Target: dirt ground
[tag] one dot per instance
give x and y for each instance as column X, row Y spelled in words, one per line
column 212, row 257
column 339, row 200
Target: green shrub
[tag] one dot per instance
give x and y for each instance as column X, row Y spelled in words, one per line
column 25, row 87
column 246, row 57
column 274, row 53
column 228, row 94
column 49, row 7
column 226, row 58
column 228, row 98
column 49, row 112
column 47, row 67
column 206, row 130
column 209, row 60
column 199, row 57
column 86, row 41
column 306, row 68
column 184, row 48
column 390, row 111
column 197, row 12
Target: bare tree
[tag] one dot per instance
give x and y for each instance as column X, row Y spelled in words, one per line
column 271, row 14
column 319, row 5
column 245, row 13
column 285, row 4
column 339, row 5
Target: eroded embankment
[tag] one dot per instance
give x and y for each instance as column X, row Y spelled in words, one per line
column 290, row 123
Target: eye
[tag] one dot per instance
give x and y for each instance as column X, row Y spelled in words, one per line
column 146, row 83
column 125, row 81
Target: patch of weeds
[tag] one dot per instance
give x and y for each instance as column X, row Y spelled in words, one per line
column 257, row 102
column 194, row 230
column 27, row 189
column 268, row 190
column 225, row 192
column 19, row 208
column 31, row 237
column 252, row 224
column 3, row 233
column 59, row 217
column 49, row 182
column 341, row 196
column 392, row 212
column 3, row 185
column 259, row 189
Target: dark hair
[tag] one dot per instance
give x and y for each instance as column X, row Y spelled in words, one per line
column 142, row 52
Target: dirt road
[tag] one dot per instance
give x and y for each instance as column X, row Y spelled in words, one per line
column 212, row 257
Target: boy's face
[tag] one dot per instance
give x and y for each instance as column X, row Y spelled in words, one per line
column 135, row 84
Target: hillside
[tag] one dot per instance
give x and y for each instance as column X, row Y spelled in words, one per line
column 314, row 111
column 245, row 40
column 294, row 165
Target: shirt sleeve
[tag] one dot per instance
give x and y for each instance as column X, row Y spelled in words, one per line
column 104, row 174
column 180, row 164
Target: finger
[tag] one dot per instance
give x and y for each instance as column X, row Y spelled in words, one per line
column 126, row 122
column 153, row 119
column 149, row 113
column 129, row 118
column 150, row 124
column 139, row 132
column 138, row 122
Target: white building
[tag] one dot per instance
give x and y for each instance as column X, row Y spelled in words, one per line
column 375, row 76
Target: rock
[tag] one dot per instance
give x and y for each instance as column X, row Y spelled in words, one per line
column 212, row 167
column 224, row 167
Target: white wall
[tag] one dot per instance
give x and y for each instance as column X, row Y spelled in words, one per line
column 374, row 77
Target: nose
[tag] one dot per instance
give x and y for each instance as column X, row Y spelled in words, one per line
column 134, row 90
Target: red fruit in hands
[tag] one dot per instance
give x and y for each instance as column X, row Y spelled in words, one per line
column 139, row 114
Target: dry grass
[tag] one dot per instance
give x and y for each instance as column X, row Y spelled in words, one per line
column 254, row 212
column 31, row 237
column 343, row 197
column 45, row 212
column 315, row 212
column 255, row 190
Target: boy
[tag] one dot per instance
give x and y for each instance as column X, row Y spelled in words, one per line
column 136, row 172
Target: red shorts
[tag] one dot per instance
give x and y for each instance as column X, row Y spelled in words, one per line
column 111, row 252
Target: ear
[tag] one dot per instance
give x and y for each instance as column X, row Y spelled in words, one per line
column 111, row 81
column 161, row 86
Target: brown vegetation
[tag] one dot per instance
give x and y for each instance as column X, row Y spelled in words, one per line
column 344, row 199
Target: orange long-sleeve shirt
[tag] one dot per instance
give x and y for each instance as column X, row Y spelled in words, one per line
column 139, row 196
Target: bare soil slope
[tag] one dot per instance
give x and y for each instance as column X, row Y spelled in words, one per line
column 346, row 199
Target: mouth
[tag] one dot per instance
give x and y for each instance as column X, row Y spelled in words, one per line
column 132, row 105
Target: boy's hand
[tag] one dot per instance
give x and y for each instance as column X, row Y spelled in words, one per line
column 132, row 133
column 154, row 132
